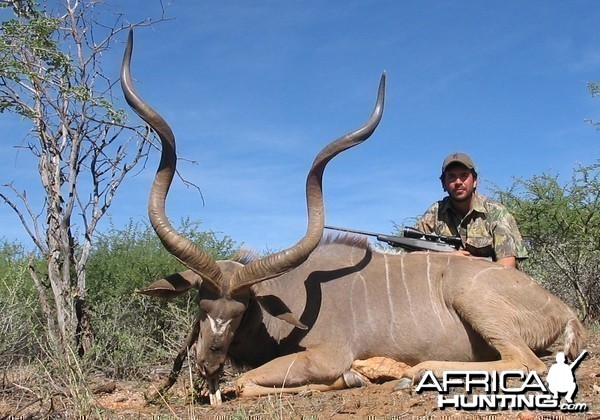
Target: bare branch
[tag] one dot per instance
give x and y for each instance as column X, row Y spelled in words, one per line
column 32, row 226
column 51, row 74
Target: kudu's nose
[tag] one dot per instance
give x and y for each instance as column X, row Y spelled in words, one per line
column 208, row 369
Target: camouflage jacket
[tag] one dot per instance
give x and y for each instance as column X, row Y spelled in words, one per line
column 488, row 230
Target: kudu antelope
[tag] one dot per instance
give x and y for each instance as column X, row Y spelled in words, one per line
column 303, row 315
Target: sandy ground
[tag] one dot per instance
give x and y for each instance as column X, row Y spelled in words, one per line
column 121, row 399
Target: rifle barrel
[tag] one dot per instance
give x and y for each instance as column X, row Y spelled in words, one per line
column 360, row 232
column 412, row 244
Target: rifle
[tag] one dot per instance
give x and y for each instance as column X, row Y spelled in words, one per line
column 412, row 239
column 579, row 358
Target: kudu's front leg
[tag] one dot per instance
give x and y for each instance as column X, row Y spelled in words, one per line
column 177, row 364
column 309, row 370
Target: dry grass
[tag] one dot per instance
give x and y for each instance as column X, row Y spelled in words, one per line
column 38, row 391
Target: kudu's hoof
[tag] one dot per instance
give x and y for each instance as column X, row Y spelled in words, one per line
column 403, row 383
column 353, row 379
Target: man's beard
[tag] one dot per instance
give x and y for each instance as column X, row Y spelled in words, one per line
column 461, row 199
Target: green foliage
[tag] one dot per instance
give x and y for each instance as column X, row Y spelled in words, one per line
column 594, row 89
column 133, row 331
column 51, row 73
column 130, row 258
column 30, row 36
column 18, row 306
column 560, row 223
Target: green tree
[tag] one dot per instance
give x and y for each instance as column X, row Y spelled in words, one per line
column 560, row 223
column 123, row 260
column 51, row 74
column 129, row 258
column 18, row 305
column 594, row 89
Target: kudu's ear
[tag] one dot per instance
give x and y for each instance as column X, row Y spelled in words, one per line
column 173, row 285
column 275, row 307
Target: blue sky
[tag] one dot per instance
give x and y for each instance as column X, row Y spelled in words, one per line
column 253, row 90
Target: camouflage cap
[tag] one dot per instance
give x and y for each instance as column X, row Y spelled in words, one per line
column 458, row 157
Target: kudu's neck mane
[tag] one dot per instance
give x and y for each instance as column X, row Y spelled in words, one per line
column 349, row 239
column 246, row 256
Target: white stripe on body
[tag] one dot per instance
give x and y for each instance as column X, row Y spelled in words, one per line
column 433, row 293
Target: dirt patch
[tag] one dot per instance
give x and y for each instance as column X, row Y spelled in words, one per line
column 123, row 399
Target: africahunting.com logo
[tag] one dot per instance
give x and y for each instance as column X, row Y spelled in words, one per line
column 480, row 390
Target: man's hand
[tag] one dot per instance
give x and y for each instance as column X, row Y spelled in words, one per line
column 461, row 252
column 508, row 262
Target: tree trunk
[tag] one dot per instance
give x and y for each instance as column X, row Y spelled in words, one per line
column 51, row 75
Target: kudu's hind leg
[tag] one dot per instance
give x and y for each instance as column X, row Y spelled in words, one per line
column 310, row 370
column 498, row 329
